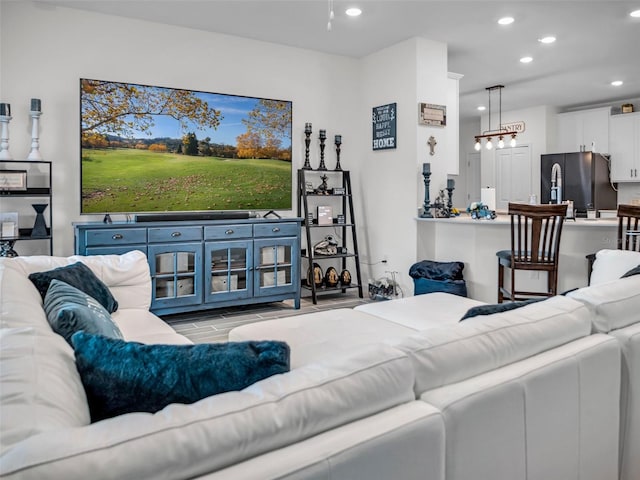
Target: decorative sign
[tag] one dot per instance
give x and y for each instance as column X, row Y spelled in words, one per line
column 433, row 115
column 384, row 127
column 513, row 127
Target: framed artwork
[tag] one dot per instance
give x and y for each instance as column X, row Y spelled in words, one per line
column 384, row 127
column 432, row 115
column 13, row 180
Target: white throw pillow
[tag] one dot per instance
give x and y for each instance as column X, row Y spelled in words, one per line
column 612, row 264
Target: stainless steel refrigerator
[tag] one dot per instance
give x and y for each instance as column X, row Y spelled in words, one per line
column 579, row 176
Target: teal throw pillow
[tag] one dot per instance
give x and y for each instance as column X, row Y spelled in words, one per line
column 497, row 308
column 70, row 310
column 80, row 276
column 632, row 272
column 122, row 377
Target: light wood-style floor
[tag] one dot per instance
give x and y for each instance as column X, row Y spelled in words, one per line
column 214, row 325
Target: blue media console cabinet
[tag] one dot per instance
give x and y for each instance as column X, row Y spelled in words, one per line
column 204, row 264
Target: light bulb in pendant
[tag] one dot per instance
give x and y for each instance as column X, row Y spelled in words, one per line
column 512, row 143
column 501, row 142
column 489, row 144
column 477, row 146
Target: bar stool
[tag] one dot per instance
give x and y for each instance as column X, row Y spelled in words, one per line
column 628, row 233
column 535, row 244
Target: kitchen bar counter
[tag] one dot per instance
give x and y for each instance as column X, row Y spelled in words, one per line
column 475, row 242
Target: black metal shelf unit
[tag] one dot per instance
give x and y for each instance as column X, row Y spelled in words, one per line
column 31, row 169
column 347, row 257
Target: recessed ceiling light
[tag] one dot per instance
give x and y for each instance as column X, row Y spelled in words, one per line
column 482, row 108
column 526, row 60
column 549, row 39
column 635, row 14
column 353, row 12
column 617, row 83
column 506, row 21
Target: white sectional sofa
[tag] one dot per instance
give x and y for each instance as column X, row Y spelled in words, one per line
column 398, row 389
column 340, row 417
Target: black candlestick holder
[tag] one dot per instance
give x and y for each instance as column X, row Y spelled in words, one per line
column 426, row 207
column 323, row 137
column 449, row 200
column 307, row 143
column 338, row 143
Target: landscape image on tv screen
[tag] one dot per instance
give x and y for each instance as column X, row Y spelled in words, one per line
column 156, row 149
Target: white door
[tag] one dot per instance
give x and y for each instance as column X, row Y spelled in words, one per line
column 473, row 177
column 513, row 176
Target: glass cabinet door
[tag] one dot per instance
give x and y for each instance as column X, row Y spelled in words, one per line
column 228, row 266
column 174, row 274
column 274, row 267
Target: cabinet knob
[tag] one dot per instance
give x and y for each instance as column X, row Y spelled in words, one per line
column 275, row 229
column 118, row 236
column 228, row 232
column 176, row 234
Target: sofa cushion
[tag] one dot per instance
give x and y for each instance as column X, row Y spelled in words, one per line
column 126, row 275
column 490, row 309
column 450, row 354
column 79, row 276
column 138, row 325
column 121, row 377
column 20, row 302
column 70, row 310
column 421, row 312
column 319, row 335
column 613, row 305
column 40, row 389
column 610, row 265
column 187, row 441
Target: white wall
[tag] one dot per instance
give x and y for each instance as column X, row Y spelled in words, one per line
column 407, row 73
column 46, row 49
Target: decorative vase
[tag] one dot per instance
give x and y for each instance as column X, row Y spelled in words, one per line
column 40, row 226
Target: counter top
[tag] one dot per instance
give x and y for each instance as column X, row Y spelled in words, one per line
column 504, row 219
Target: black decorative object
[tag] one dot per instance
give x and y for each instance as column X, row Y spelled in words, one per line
column 323, row 137
column 345, row 278
column 39, row 227
column 426, row 207
column 6, row 249
column 307, row 142
column 315, row 275
column 450, row 187
column 338, row 141
column 331, row 277
column 323, row 188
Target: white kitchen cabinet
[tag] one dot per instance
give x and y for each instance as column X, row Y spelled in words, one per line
column 584, row 130
column 625, row 147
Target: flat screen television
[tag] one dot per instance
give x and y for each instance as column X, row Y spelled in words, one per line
column 149, row 149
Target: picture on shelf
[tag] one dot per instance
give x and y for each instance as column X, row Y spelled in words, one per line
column 157, row 149
column 11, row 180
column 9, row 224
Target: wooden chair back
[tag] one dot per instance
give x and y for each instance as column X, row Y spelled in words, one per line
column 535, row 235
column 629, row 227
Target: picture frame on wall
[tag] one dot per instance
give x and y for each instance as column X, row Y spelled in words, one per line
column 432, row 114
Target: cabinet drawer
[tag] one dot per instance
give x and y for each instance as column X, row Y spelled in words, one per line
column 276, row 230
column 227, row 231
column 115, row 236
column 174, row 234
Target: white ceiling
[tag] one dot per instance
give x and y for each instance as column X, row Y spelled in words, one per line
column 598, row 41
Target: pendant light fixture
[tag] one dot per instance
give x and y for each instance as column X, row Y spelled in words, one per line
column 500, row 133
